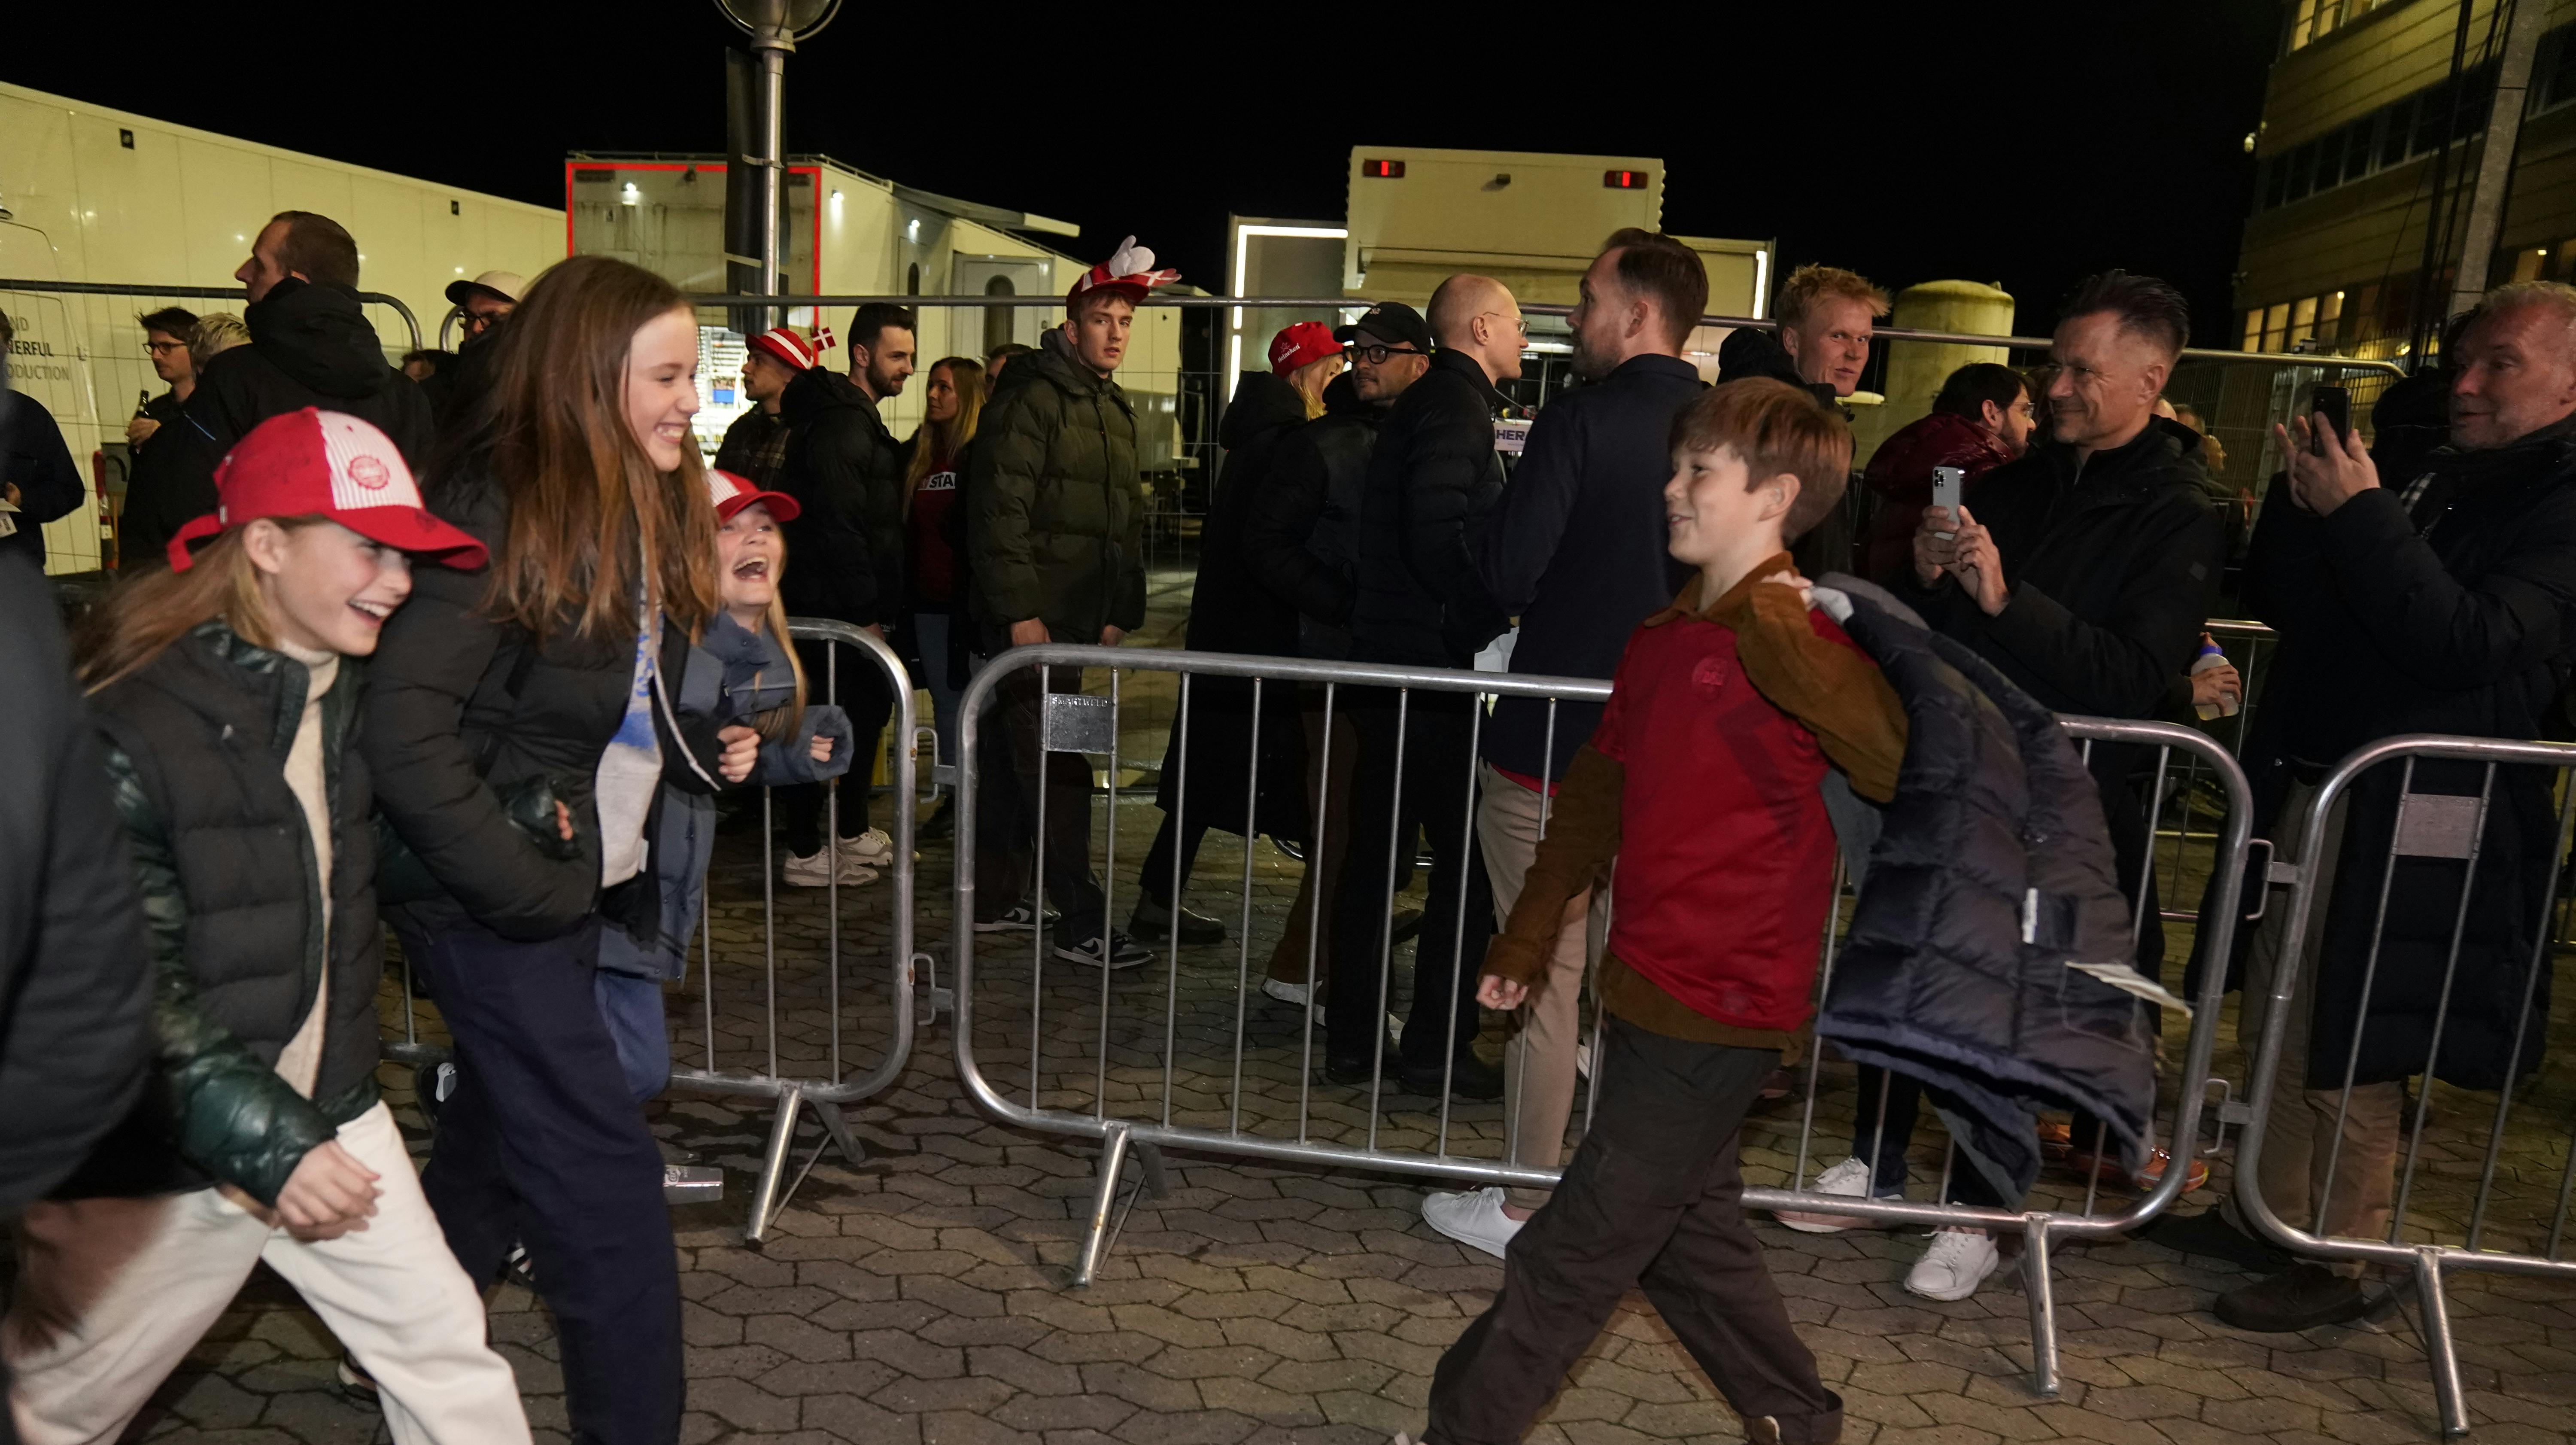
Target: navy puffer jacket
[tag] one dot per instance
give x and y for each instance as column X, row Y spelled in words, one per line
column 1992, row 877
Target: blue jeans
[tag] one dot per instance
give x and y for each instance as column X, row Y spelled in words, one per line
column 631, row 1006
column 930, row 631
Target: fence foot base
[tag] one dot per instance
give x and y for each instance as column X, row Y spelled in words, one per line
column 2438, row 1351
column 2043, row 1308
column 773, row 1165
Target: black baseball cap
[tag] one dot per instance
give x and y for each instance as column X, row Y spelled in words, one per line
column 1391, row 322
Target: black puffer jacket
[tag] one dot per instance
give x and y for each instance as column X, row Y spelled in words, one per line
column 1995, row 826
column 470, row 720
column 1055, row 508
column 2457, row 618
column 197, row 743
column 311, row 345
column 845, row 471
column 1432, row 480
column 75, row 987
column 1301, row 532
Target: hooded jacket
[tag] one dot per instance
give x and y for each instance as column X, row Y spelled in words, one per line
column 1991, row 880
column 197, row 742
column 845, row 471
column 34, row 459
column 1433, row 479
column 1055, row 506
column 310, row 345
column 2459, row 617
column 1300, row 532
column 1900, row 472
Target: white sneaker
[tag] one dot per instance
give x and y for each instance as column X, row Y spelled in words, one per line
column 1850, row 1179
column 1284, row 991
column 872, row 847
column 1958, row 1261
column 1474, row 1218
column 815, row 871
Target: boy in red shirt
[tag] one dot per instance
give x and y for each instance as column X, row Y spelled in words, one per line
column 1702, row 782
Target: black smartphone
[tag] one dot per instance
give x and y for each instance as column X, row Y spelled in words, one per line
column 2336, row 403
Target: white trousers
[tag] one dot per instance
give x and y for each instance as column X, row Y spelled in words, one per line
column 113, row 1293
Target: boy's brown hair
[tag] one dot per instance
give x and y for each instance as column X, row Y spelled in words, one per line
column 1775, row 428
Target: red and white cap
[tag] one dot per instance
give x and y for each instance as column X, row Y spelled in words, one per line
column 733, row 493
column 1301, row 344
column 315, row 463
column 798, row 353
column 1128, row 272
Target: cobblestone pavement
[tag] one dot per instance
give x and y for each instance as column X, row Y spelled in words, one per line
column 919, row 1296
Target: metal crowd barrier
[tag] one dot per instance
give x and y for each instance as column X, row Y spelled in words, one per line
column 1247, row 1087
column 2434, row 1227
column 743, row 1049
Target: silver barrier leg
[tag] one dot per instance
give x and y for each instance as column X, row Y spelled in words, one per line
column 2439, row 1352
column 1104, row 1197
column 773, row 1164
column 2043, row 1308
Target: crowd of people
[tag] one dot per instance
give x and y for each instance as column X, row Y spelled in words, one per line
column 470, row 649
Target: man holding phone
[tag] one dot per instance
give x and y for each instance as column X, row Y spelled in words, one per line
column 2440, row 598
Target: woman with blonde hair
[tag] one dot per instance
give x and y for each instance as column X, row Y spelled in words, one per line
column 934, row 534
column 519, row 726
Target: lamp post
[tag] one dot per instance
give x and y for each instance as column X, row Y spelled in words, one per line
column 774, row 27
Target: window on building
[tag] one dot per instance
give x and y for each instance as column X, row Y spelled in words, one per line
column 912, row 280
column 2361, row 314
column 2276, row 323
column 2303, row 322
column 2529, row 264
column 2303, row 165
column 2361, row 140
column 2393, row 131
column 2253, row 331
column 997, row 319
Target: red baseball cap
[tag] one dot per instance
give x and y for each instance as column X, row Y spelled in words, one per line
column 733, row 493
column 1295, row 346
column 315, row 463
column 796, row 352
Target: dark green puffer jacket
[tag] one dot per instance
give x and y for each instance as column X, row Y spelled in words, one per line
column 196, row 747
column 1055, row 508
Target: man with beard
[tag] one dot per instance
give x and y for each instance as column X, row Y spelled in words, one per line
column 1982, row 419
column 845, row 552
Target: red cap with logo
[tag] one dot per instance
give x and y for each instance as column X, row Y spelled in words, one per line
column 1296, row 346
column 315, row 463
column 733, row 493
column 798, row 353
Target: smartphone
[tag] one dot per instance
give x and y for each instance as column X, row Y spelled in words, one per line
column 1947, row 484
column 2336, row 403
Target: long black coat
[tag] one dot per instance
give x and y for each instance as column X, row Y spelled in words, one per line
column 2459, row 617
column 845, row 470
column 1231, row 611
column 1301, row 535
column 1432, row 481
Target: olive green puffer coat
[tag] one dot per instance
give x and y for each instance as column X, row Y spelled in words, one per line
column 232, row 903
column 1055, row 510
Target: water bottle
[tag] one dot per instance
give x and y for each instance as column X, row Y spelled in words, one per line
column 2210, row 656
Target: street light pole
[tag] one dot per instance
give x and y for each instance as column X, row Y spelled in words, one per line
column 774, row 27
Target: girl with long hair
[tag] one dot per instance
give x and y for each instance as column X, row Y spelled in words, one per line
column 520, row 727
column 934, row 532
column 226, row 689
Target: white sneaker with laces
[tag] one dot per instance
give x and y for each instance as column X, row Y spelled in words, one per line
column 1850, row 1179
column 1284, row 991
column 872, row 847
column 816, row 870
column 1958, row 1261
column 1474, row 1218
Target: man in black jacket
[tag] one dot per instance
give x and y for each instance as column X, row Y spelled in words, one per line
column 845, row 561
column 37, row 475
column 2082, row 571
column 1433, row 480
column 2418, row 592
column 311, row 345
column 1577, row 551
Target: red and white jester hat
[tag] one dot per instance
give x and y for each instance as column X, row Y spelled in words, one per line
column 1128, row 272
column 314, row 463
column 799, row 354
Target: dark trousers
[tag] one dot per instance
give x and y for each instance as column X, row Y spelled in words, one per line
column 1437, row 796
column 1893, row 1131
column 863, row 694
column 542, row 1142
column 1014, row 773
column 1654, row 1198
column 1155, row 879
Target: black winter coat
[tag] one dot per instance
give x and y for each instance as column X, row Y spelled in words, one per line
column 34, row 459
column 2459, row 618
column 1231, row 611
column 845, row 470
column 1300, row 533
column 197, row 742
column 473, row 726
column 2110, row 566
column 1995, row 827
column 1054, row 504
column 311, row 345
column 75, row 987
column 1577, row 547
column 1433, row 480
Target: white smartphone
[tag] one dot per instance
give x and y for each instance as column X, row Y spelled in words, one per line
column 1947, row 484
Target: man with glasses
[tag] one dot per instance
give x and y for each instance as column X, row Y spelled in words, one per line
column 1432, row 481
column 484, row 302
column 1981, row 420
column 482, row 306
column 165, row 340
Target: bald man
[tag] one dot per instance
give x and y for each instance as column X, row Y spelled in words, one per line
column 1431, row 483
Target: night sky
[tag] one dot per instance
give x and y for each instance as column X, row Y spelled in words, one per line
column 2020, row 145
